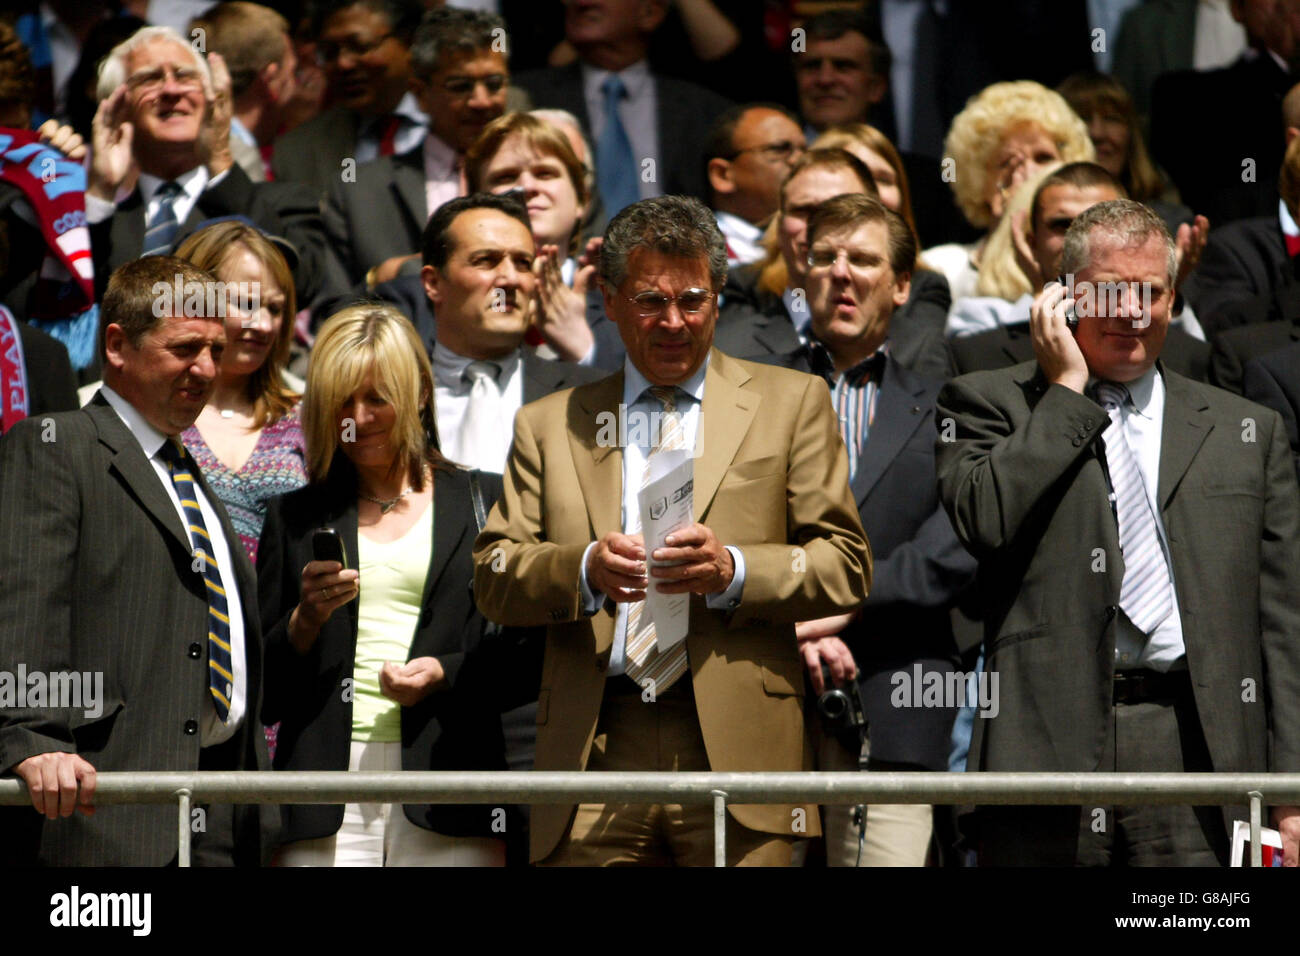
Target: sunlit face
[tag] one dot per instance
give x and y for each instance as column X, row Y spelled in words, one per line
column 483, row 296
column 1121, row 341
column 365, row 422
column 1110, row 137
column 169, row 377
column 251, row 333
column 166, row 96
column 465, row 93
column 1025, row 150
column 766, row 144
column 367, row 66
column 670, row 347
column 1057, row 208
column 803, row 194
column 552, row 201
column 852, row 289
column 835, row 81
column 887, row 187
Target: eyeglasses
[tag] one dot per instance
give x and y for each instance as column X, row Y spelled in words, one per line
column 786, row 150
column 327, row 52
column 464, row 85
column 650, row 303
column 149, row 81
column 860, row 262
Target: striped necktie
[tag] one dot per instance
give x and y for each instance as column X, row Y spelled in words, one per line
column 1146, row 594
column 644, row 662
column 221, row 678
column 162, row 227
column 616, row 167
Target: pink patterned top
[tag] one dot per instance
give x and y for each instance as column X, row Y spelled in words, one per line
column 277, row 466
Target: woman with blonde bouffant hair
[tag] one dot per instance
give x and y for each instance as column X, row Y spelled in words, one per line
column 366, row 604
column 248, row 439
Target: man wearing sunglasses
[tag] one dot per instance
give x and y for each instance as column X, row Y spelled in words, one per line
column 460, row 78
column 775, row 539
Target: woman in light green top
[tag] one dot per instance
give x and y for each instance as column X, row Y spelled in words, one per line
column 363, row 658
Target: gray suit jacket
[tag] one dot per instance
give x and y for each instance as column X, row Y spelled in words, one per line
column 379, row 216
column 1024, row 486
column 95, row 575
column 313, row 153
column 1155, row 37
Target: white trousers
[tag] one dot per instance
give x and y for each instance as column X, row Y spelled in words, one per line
column 379, row 834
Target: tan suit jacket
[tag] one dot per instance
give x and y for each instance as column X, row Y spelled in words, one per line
column 771, row 479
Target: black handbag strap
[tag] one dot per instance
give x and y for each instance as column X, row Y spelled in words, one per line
column 476, row 497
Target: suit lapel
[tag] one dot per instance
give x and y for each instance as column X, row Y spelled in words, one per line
column 897, row 418
column 1186, row 426
column 127, row 229
column 598, row 460
column 408, row 185
column 450, row 522
column 133, row 467
column 726, row 415
column 541, row 377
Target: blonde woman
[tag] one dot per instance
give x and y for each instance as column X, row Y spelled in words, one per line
column 365, row 657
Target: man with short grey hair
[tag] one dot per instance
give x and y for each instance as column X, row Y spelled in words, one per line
column 773, row 537
column 1139, row 541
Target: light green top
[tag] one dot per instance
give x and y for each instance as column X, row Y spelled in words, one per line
column 388, row 612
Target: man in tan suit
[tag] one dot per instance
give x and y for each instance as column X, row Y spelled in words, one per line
column 777, row 540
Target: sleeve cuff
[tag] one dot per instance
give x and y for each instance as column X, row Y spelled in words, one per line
column 591, row 601
column 729, row 599
column 97, row 210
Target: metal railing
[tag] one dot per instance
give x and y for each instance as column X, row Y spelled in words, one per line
column 719, row 789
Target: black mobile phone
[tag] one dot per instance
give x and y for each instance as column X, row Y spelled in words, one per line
column 327, row 545
column 1071, row 320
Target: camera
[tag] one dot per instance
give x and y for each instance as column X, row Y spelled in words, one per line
column 841, row 707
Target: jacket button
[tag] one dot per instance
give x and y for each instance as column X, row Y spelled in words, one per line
column 196, row 650
column 191, row 728
column 1111, row 610
column 1077, row 442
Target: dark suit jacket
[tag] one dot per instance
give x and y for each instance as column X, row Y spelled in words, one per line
column 1204, row 123
column 1155, row 37
column 1236, row 347
column 1024, row 485
column 685, row 112
column 1274, row 380
column 407, row 293
column 313, row 153
column 283, row 209
column 51, row 383
column 457, row 728
column 753, row 322
column 379, row 216
column 97, row 577
column 1241, row 260
column 920, row 568
column 1011, row 345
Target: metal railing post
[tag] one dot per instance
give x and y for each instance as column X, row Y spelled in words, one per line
column 719, row 828
column 183, row 834
column 1256, row 821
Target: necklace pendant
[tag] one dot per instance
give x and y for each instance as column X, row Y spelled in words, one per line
column 388, row 506
column 227, row 413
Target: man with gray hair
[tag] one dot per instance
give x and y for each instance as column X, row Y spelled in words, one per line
column 1138, row 535
column 773, row 537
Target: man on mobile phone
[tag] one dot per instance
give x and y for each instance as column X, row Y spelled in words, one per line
column 1139, row 555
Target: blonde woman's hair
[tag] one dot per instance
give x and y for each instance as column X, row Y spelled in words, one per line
column 376, row 340
column 210, row 249
column 999, row 274
column 978, row 130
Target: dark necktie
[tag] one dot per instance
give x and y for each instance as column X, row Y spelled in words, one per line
column 160, row 230
column 221, row 678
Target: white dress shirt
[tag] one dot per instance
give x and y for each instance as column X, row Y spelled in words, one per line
column 639, row 110
column 1143, row 420
column 451, row 397
column 743, row 239
column 212, row 729
column 192, row 185
column 637, row 401
column 1218, row 38
column 441, row 175
column 409, row 135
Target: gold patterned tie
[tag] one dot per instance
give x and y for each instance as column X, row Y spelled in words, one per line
column 644, row 662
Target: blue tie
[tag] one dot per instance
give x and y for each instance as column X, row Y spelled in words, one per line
column 160, row 230
column 221, row 679
column 616, row 167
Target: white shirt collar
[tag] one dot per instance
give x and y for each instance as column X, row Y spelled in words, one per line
column 193, row 183
column 150, row 438
column 439, row 158
column 1289, row 227
column 1142, row 392
column 730, row 224
column 449, row 368
column 635, row 384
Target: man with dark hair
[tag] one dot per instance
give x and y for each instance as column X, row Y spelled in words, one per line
column 254, row 41
column 748, row 153
column 998, row 331
column 770, row 487
column 648, row 128
column 843, row 72
column 459, row 77
column 762, row 317
column 1138, row 555
column 364, row 47
column 122, row 568
column 860, row 262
